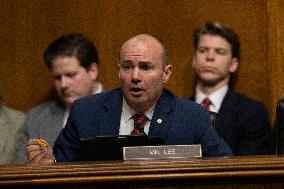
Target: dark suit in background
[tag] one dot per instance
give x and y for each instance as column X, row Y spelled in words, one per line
column 181, row 122
column 244, row 124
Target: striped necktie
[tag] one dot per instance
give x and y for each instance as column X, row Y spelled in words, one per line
column 139, row 122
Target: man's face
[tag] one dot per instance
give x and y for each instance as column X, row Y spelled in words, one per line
column 71, row 80
column 213, row 60
column 142, row 74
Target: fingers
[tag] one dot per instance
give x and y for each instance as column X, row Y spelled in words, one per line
column 34, row 147
column 43, row 158
column 39, row 152
column 36, row 157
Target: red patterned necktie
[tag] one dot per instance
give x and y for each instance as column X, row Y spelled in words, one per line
column 206, row 103
column 139, row 122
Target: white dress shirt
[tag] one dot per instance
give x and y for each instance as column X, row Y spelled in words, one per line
column 127, row 122
column 216, row 98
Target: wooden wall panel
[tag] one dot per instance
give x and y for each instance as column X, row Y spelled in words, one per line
column 29, row 26
column 276, row 51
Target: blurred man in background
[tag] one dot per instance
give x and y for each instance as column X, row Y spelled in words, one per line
column 242, row 122
column 73, row 61
column 11, row 130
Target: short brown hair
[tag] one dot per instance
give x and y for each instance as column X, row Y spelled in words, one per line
column 72, row 45
column 215, row 28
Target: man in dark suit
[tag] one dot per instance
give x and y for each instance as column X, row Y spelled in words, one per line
column 242, row 122
column 143, row 70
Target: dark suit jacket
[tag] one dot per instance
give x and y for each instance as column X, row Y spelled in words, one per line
column 244, row 124
column 183, row 122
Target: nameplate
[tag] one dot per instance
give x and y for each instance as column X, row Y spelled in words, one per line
column 161, row 152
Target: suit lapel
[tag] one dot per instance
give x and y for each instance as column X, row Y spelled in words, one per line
column 159, row 120
column 192, row 98
column 112, row 113
column 225, row 112
column 113, row 108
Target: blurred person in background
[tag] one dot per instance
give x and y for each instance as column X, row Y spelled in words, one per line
column 11, row 122
column 73, row 61
column 242, row 122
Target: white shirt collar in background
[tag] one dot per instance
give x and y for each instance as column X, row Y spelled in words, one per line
column 216, row 98
column 99, row 89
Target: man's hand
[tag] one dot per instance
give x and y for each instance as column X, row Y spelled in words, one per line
column 39, row 152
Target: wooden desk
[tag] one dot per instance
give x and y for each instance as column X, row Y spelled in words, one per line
column 258, row 172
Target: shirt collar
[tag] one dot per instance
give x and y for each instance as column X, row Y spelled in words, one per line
column 99, row 89
column 216, row 97
column 128, row 112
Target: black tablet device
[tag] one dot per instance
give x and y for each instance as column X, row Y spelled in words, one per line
column 111, row 147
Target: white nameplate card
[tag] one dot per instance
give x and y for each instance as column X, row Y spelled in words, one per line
column 161, row 152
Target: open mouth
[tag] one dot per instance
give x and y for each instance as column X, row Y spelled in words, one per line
column 136, row 91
